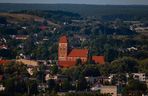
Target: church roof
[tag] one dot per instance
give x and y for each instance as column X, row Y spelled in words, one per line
column 66, row 63
column 99, row 59
column 78, row 53
column 63, row 39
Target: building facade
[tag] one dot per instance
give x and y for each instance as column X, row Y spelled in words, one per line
column 68, row 58
column 110, row 90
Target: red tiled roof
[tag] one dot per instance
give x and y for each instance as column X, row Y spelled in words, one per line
column 99, row 59
column 66, row 63
column 4, row 61
column 1, row 77
column 63, row 39
column 43, row 27
column 3, row 47
column 78, row 53
column 22, row 37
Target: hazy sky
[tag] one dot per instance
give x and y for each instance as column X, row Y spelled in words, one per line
column 114, row 2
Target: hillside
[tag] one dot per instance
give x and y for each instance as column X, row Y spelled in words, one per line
column 12, row 17
column 126, row 12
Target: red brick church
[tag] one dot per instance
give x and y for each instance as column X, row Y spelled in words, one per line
column 68, row 59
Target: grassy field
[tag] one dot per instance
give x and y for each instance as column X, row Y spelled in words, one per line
column 12, row 17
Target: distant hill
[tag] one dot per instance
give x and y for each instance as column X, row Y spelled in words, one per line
column 53, row 15
column 12, row 17
column 106, row 12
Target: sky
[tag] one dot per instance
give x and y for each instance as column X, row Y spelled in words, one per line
column 98, row 2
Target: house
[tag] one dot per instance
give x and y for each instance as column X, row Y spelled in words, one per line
column 50, row 76
column 1, row 77
column 21, row 37
column 139, row 76
column 92, row 79
column 2, row 88
column 141, row 29
column 68, row 58
column 146, row 82
column 42, row 87
column 28, row 62
column 43, row 28
column 24, row 27
column 98, row 59
column 3, row 47
column 97, row 79
column 95, row 88
column 57, row 78
column 132, row 49
column 112, row 90
column 30, row 71
column 81, row 38
column 61, row 78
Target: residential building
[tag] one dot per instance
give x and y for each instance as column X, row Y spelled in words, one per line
column 112, row 90
column 28, row 62
column 139, row 76
column 97, row 79
column 2, row 88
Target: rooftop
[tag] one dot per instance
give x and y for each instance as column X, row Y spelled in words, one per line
column 99, row 59
column 66, row 63
column 78, row 53
column 63, row 39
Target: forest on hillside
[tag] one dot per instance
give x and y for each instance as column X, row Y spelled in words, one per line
column 105, row 12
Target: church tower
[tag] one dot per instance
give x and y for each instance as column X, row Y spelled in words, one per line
column 63, row 48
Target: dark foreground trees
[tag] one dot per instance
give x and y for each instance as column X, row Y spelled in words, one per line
column 135, row 88
column 16, row 80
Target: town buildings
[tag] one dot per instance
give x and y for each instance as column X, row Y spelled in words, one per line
column 111, row 90
column 68, row 58
column 139, row 76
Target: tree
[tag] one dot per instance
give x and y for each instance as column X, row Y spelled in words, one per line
column 135, row 88
column 124, row 65
column 8, row 54
column 9, row 87
column 3, row 20
column 105, row 69
column 32, row 87
column 66, row 85
column 1, row 69
column 51, row 85
column 72, row 72
column 54, row 69
column 41, row 73
column 141, row 54
column 111, row 54
column 143, row 66
column 119, row 78
column 91, row 70
column 81, row 84
column 13, row 69
column 14, row 80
